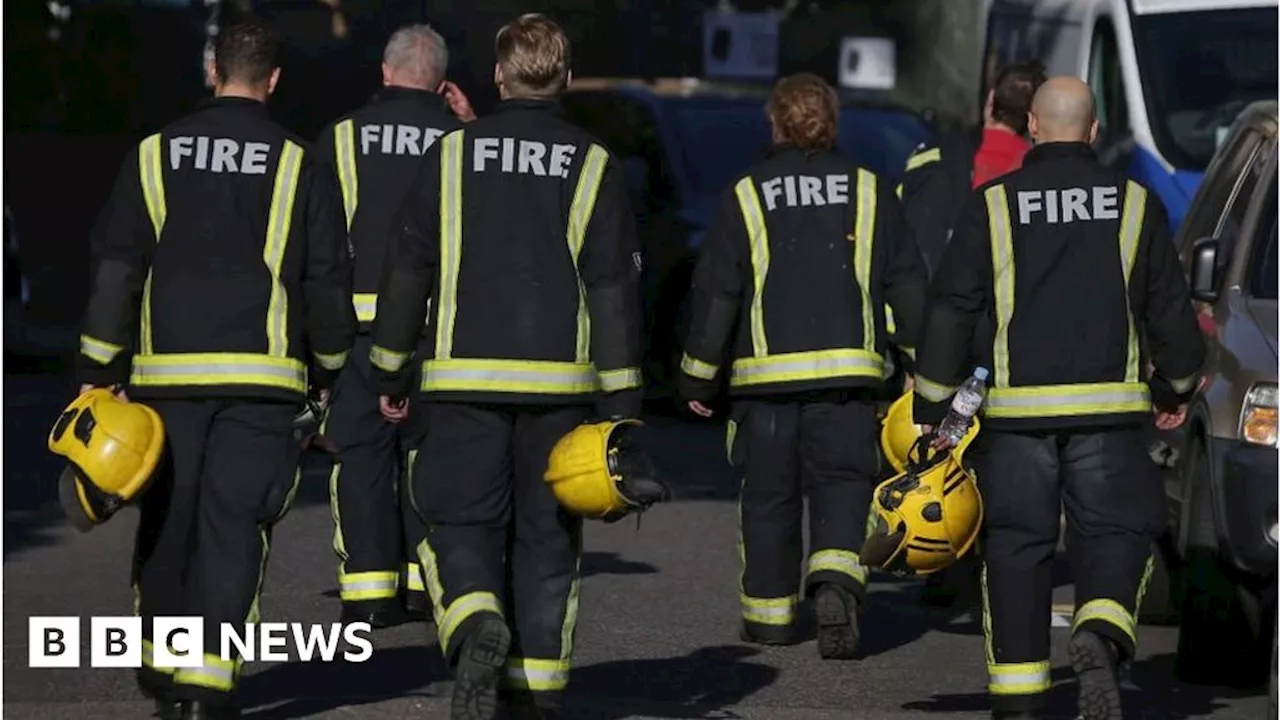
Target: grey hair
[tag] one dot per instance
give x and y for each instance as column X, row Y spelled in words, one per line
column 418, row 54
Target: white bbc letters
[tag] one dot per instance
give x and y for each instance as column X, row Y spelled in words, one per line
column 115, row 642
column 220, row 155
column 525, row 157
column 178, row 642
column 390, row 139
column 1069, row 204
column 53, row 642
column 805, row 191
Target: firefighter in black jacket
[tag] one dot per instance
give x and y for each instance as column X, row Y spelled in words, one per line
column 520, row 236
column 375, row 154
column 221, row 289
column 805, row 252
column 1074, row 265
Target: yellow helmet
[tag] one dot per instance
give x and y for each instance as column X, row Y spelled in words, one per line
column 597, row 472
column 926, row 517
column 112, row 447
column 899, row 432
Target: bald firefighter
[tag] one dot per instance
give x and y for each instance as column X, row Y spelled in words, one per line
column 1073, row 263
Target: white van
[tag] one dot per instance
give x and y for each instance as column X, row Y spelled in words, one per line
column 1170, row 76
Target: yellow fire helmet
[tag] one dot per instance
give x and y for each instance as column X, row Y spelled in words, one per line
column 112, row 447
column 597, row 471
column 898, row 432
column 926, row 517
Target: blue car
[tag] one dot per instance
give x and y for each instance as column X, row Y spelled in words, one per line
column 681, row 143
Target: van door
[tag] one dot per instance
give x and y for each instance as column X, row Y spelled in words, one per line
column 1106, row 78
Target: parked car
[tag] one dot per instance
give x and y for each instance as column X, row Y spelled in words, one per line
column 682, row 141
column 1222, row 499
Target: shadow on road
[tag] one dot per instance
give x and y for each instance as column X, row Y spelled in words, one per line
column 607, row 563
column 299, row 690
column 696, row 685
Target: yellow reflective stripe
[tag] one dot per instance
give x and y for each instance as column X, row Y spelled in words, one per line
column 1148, row 569
column 431, row 578
column 898, row 191
column 730, row 433
column 889, row 325
column 845, row 562
column 149, row 657
column 1065, row 400
column 922, row 158
column 620, row 379
column 933, row 391
column 215, row 673
column 519, row 376
column 333, row 361
column 810, row 365
column 537, row 675
column 1027, row 678
column 909, row 352
column 1184, row 385
column 413, row 576
column 1002, row 271
column 463, row 608
column 584, row 203
column 99, row 350
column 153, row 195
column 278, row 223
column 366, row 305
column 758, row 238
column 450, row 241
column 988, row 644
column 1135, row 208
column 344, row 149
column 769, row 611
column 385, row 359
column 210, row 369
column 367, row 585
column 694, row 367
column 864, row 237
column 1108, row 611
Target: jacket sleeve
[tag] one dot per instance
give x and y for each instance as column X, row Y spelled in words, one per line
column 958, row 296
column 610, row 265
column 121, row 246
column 1168, row 320
column 326, row 285
column 716, row 301
column 903, row 276
column 408, row 280
column 924, row 190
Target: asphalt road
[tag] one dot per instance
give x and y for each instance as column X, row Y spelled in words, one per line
column 657, row 636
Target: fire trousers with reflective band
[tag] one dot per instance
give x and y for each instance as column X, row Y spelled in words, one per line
column 775, row 446
column 1114, row 511
column 376, row 532
column 228, row 475
column 497, row 541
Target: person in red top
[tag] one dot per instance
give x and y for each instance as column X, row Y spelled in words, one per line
column 1003, row 129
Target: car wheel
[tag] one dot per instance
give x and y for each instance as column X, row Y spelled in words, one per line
column 1217, row 644
column 1160, row 602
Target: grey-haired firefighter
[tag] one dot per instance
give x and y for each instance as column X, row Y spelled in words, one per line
column 1073, row 263
column 805, row 253
column 519, row 233
column 375, row 153
column 221, row 291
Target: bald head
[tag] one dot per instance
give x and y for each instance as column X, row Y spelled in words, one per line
column 415, row 57
column 1063, row 111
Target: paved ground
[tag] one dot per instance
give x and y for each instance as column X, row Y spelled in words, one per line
column 656, row 638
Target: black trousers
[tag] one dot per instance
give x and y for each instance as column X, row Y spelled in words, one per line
column 497, row 540
column 775, row 446
column 1114, row 510
column 376, row 530
column 228, row 475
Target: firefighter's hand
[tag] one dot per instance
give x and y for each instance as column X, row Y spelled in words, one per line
column 1171, row 420
column 458, row 101
column 908, row 384
column 324, row 396
column 699, row 409
column 117, row 389
column 393, row 411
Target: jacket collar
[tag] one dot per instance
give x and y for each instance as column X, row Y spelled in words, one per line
column 395, row 92
column 1058, row 151
column 536, row 104
column 241, row 103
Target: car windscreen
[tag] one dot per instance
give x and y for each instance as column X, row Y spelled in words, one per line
column 1199, row 70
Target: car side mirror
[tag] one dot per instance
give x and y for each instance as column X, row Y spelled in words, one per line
column 1204, row 264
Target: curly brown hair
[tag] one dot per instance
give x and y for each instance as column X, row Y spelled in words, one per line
column 803, row 112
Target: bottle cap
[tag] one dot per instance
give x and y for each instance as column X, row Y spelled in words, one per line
column 980, row 373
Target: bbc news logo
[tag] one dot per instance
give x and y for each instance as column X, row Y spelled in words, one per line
column 179, row 642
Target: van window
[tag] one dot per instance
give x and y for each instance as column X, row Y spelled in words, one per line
column 1107, row 81
column 1264, row 270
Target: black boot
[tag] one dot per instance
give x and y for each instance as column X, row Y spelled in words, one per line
column 481, row 659
column 837, row 613
column 378, row 613
column 770, row 635
column 168, row 710
column 1094, row 659
column 201, row 710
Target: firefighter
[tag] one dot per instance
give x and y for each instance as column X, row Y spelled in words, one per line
column 519, row 238
column 806, row 250
column 375, row 153
column 1074, row 264
column 221, row 288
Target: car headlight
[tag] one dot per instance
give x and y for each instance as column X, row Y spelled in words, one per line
column 1258, row 416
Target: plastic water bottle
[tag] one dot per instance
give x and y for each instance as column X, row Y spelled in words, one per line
column 967, row 402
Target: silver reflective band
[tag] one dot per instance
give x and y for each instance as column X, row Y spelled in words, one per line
column 384, row 359
column 366, row 306
column 368, row 585
column 837, row 561
column 538, row 675
column 98, row 350
column 932, row 391
column 1060, row 400
column 622, row 379
column 1184, row 385
column 805, row 366
column 158, row 368
column 334, row 361
column 697, row 368
column 572, row 379
column 1032, row 678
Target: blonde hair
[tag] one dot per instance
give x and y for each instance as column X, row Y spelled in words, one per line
column 533, row 53
column 803, row 110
